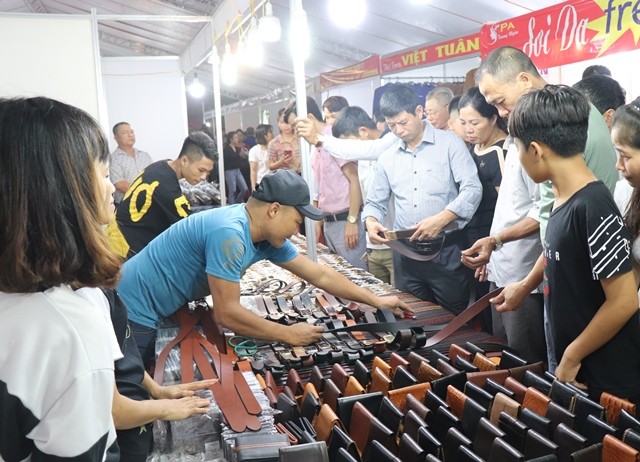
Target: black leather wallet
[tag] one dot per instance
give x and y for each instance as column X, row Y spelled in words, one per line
column 435, row 355
column 260, row 447
column 532, row 380
column 312, row 452
column 510, row 360
column 501, row 451
column 439, row 386
column 568, row 441
column 486, row 433
column 536, row 422
column 473, row 348
column 557, row 414
column 595, row 429
column 410, row 450
column 345, row 405
column 494, row 388
column 433, row 401
column 289, row 408
column 340, row 439
column 415, row 405
column 377, row 452
column 631, row 438
column 465, row 365
column 310, row 407
column 412, row 423
column 627, row 421
column 390, row 415
column 515, row 430
column 536, row 445
column 584, row 407
column 343, row 456
column 562, row 394
column 362, row 373
column 453, row 439
column 471, row 415
column 428, row 441
column 402, row 378
column 476, row 393
column 591, row 453
column 443, row 420
column 464, row 454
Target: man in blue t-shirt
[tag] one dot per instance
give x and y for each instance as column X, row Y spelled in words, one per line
column 208, row 252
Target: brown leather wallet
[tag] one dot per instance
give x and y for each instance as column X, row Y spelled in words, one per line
column 378, row 363
column 479, row 378
column 614, row 450
column 415, row 361
column 416, row 405
column 396, row 360
column 379, row 381
column 502, row 403
column 457, row 350
column 516, row 387
column 486, row 433
column 360, row 423
column 456, row 399
column 483, row 363
column 353, row 387
column 613, row 405
column 339, row 376
column 536, row 401
column 428, row 373
column 324, row 423
column 399, row 396
column 412, row 424
column 331, row 394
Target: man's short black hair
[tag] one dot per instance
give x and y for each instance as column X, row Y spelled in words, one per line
column 349, row 120
column 596, row 69
column 117, row 126
column 504, row 64
column 556, row 115
column 312, row 108
column 335, row 103
column 397, row 98
column 604, row 92
column 198, row 145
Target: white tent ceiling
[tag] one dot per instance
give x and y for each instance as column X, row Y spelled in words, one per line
column 389, row 26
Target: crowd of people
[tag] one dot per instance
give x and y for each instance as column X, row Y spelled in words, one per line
column 530, row 187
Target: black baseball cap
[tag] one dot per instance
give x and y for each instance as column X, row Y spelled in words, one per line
column 287, row 188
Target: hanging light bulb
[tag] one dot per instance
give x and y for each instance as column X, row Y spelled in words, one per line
column 228, row 70
column 269, row 25
column 299, row 35
column 347, row 13
column 196, row 89
column 254, row 52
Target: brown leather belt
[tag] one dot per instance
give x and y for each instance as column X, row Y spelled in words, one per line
column 431, row 247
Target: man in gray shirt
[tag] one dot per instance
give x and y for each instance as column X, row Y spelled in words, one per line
column 126, row 161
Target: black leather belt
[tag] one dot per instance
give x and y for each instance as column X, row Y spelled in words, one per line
column 342, row 216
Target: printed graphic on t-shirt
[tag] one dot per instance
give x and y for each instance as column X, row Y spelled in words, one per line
column 608, row 249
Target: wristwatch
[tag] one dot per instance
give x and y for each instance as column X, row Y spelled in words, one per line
column 352, row 219
column 499, row 242
column 320, row 141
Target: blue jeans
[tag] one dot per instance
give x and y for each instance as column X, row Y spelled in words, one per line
column 235, row 181
column 145, row 338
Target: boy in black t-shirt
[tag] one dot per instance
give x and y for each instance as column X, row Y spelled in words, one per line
column 589, row 287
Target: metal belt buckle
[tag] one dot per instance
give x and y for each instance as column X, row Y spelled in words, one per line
column 391, row 235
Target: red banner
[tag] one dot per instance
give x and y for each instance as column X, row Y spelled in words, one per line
column 431, row 54
column 370, row 67
column 576, row 30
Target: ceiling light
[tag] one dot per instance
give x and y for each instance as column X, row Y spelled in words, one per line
column 347, row 13
column 228, row 70
column 254, row 53
column 299, row 34
column 196, row 89
column 269, row 25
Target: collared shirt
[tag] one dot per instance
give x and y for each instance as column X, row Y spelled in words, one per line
column 438, row 174
column 125, row 167
column 518, row 199
column 278, row 146
column 333, row 187
column 359, row 149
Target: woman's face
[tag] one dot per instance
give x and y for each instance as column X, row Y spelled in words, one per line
column 628, row 163
column 106, row 189
column 478, row 129
column 284, row 127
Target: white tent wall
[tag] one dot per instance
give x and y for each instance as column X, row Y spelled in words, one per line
column 359, row 93
column 50, row 56
column 617, row 63
column 448, row 70
column 149, row 93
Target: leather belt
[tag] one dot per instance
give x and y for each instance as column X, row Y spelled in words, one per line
column 431, row 248
column 342, row 216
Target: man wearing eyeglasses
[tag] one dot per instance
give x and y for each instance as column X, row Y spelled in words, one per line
column 436, row 107
column 432, row 181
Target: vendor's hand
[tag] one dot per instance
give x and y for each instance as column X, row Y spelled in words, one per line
column 510, row 298
column 478, row 254
column 481, row 273
column 303, row 333
column 305, row 128
column 182, row 390
column 399, row 308
column 351, row 235
column 567, row 371
column 376, row 232
column 179, row 409
column 428, row 228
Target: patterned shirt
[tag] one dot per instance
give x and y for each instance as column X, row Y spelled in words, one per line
column 124, row 167
column 278, row 146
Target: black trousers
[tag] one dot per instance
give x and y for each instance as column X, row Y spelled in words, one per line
column 443, row 280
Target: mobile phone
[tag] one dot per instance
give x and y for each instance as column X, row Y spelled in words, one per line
column 288, row 154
